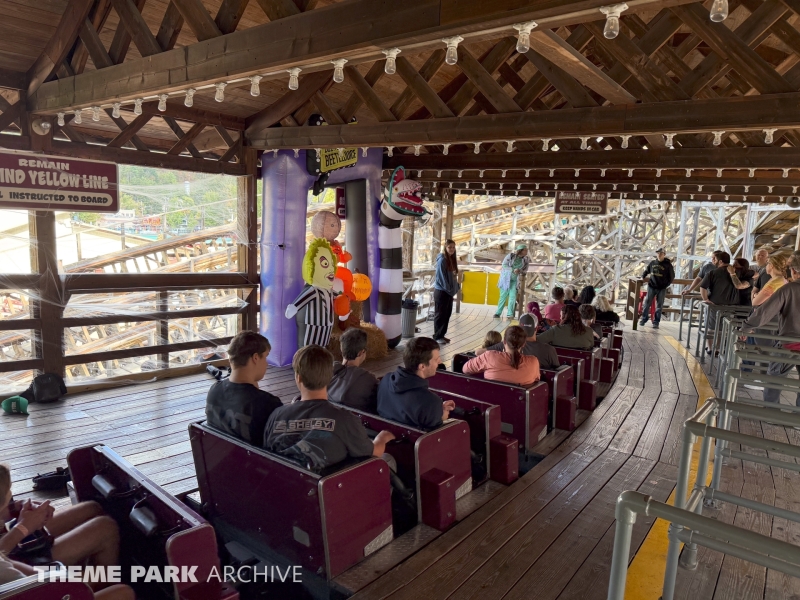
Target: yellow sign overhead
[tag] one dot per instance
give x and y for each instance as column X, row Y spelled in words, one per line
column 337, row 158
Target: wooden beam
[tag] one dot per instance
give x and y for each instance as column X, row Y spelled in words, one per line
column 177, row 110
column 170, row 28
column 229, row 15
column 376, row 71
column 122, row 39
column 94, row 46
column 654, row 158
column 133, row 21
column 187, row 139
column 198, row 19
column 122, row 124
column 732, row 48
column 232, row 151
column 179, row 133
column 97, row 19
column 11, row 114
column 368, row 95
column 748, row 113
column 327, row 111
column 289, row 102
column 273, row 47
column 566, row 84
column 421, row 89
column 57, row 47
column 278, row 9
column 485, row 83
column 144, row 159
column 226, row 137
column 638, row 63
column 13, row 80
column 428, row 70
column 124, row 136
column 461, row 90
column 552, row 47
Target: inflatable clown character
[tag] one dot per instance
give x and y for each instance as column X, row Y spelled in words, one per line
column 313, row 308
column 403, row 198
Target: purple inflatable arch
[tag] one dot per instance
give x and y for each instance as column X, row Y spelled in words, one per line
column 283, row 238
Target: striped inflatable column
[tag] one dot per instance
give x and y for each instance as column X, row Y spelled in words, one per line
column 390, row 278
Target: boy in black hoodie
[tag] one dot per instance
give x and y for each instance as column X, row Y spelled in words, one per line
column 659, row 275
column 403, row 396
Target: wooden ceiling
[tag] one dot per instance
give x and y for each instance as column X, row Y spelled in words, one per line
column 670, row 71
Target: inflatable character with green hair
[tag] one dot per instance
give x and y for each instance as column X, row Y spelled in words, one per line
column 313, row 308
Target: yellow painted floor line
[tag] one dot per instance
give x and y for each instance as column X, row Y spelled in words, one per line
column 646, row 572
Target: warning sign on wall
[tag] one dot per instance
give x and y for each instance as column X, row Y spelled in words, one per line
column 581, row 203
column 39, row 182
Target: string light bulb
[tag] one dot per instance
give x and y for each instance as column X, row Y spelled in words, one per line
column 752, row 172
column 364, row 151
column 719, row 11
column 625, row 139
column 477, row 149
column 162, row 102
column 438, row 174
column 689, row 172
column 603, row 172
column 77, row 120
column 451, row 57
column 668, row 140
column 700, row 188
column 717, row 137
column 510, row 145
column 769, row 135
column 219, row 95
column 297, row 153
column 612, row 13
column 746, row 189
column 630, row 172
column 417, row 148
column 577, row 172
column 785, row 173
column 390, row 151
column 658, row 172
column 189, row 100
column 95, row 113
column 552, row 171
column 584, row 143
column 255, row 88
column 338, row 69
column 60, row 119
column 446, row 149
column 594, row 186
column 481, row 172
column 524, row 37
column 294, row 78
column 527, row 172
column 769, row 189
column 719, row 172
column 722, row 188
column 460, row 173
column 137, row 107
column 390, row 68
column 545, row 144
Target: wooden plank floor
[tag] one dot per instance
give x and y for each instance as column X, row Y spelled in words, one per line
column 549, row 535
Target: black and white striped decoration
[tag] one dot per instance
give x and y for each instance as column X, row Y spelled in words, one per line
column 402, row 199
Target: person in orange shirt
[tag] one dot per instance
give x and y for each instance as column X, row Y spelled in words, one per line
column 510, row 366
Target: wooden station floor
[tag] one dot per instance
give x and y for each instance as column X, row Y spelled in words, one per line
column 549, row 535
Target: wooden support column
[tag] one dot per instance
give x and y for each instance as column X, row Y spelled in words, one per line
column 448, row 201
column 49, row 341
column 248, row 245
column 409, row 224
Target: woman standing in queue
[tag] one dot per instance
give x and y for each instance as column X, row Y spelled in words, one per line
column 445, row 286
column 515, row 263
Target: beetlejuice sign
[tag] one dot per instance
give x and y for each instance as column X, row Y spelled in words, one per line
column 40, row 182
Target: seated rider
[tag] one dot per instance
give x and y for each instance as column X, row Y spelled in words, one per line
column 509, row 365
column 545, row 353
column 82, row 534
column 403, row 396
column 588, row 316
column 236, row 405
column 351, row 385
column 571, row 333
column 313, row 431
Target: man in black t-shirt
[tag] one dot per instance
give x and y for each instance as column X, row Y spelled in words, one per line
column 313, row 431
column 351, row 385
column 718, row 288
column 547, row 355
column 236, row 405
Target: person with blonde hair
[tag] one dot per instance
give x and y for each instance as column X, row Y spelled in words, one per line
column 775, row 268
column 81, row 532
column 604, row 310
column 509, row 366
column 492, row 338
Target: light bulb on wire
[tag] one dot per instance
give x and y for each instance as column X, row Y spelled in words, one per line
column 717, row 137
column 255, row 88
column 612, row 13
column 60, row 119
column 219, row 95
column 719, row 11
column 769, row 135
column 338, row 69
column 162, row 102
column 451, row 57
column 294, row 78
column 95, row 113
column 137, row 107
column 115, row 110
column 77, row 120
column 524, row 37
column 189, row 100
column 390, row 68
